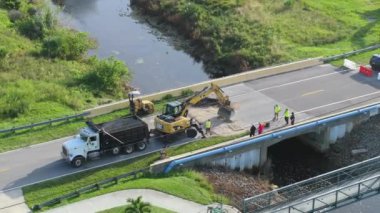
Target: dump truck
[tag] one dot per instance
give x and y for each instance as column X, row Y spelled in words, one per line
column 125, row 134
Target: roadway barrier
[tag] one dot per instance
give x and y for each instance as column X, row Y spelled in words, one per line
column 224, row 81
column 43, row 123
column 90, row 188
column 367, row 71
column 345, row 55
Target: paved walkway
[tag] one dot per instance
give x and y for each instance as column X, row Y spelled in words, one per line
column 119, row 198
column 13, row 202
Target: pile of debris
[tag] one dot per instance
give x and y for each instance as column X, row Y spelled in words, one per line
column 361, row 144
column 236, row 185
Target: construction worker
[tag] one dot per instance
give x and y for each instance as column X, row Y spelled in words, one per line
column 286, row 116
column 277, row 110
column 260, row 128
column 208, row 126
column 252, row 131
column 292, row 118
column 132, row 106
column 198, row 126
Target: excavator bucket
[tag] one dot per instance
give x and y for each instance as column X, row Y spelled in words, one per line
column 226, row 113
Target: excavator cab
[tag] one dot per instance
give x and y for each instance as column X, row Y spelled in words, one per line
column 173, row 108
column 171, row 111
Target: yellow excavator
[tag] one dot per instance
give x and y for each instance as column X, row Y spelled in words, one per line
column 138, row 106
column 174, row 117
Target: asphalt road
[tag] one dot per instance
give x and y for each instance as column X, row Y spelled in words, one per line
column 312, row 92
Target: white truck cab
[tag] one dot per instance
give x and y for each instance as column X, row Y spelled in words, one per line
column 81, row 147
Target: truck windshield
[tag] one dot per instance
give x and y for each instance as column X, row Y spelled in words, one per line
column 83, row 138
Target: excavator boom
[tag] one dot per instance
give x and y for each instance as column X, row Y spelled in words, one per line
column 225, row 109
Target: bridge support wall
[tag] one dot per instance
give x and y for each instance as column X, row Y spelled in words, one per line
column 324, row 136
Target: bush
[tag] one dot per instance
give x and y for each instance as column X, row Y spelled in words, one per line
column 36, row 26
column 32, row 11
column 31, row 27
column 14, row 102
column 3, row 52
column 289, row 3
column 107, row 76
column 14, row 15
column 11, row 4
column 66, row 45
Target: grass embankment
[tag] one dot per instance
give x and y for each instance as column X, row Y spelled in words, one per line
column 236, row 35
column 42, row 192
column 121, row 209
column 44, row 69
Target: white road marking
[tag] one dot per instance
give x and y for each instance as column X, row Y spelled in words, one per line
column 302, row 80
column 339, row 102
column 3, row 170
column 313, row 93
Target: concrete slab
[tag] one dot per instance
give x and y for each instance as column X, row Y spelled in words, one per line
column 13, row 202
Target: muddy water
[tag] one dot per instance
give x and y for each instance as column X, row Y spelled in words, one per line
column 156, row 61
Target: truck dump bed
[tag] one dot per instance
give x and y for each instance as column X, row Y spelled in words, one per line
column 125, row 130
column 121, row 124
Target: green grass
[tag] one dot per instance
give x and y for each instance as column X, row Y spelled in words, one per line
column 189, row 185
column 35, row 88
column 245, row 34
column 121, row 209
column 44, row 191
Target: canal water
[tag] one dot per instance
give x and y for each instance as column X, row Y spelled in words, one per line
column 156, row 61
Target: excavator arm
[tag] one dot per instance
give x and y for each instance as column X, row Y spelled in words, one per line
column 225, row 109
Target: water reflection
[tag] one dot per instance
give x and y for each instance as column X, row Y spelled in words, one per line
column 156, row 61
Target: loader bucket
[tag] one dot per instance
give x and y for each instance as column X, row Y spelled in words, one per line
column 226, row 113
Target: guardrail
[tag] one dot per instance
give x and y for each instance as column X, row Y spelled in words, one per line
column 89, row 188
column 333, row 199
column 267, row 201
column 345, row 55
column 48, row 122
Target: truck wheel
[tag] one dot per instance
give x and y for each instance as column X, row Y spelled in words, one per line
column 141, row 146
column 77, row 162
column 191, row 132
column 129, row 149
column 115, row 150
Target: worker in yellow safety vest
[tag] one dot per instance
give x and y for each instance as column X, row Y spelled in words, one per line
column 286, row 116
column 277, row 110
column 208, row 127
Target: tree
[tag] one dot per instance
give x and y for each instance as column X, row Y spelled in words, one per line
column 137, row 206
